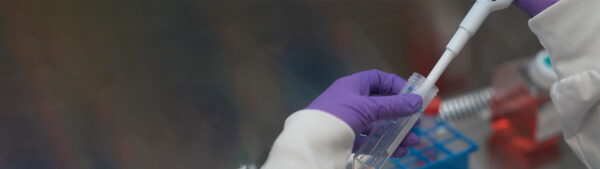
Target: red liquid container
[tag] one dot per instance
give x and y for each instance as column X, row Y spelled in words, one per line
column 521, row 120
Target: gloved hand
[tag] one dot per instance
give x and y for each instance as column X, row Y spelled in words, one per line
column 365, row 97
column 533, row 7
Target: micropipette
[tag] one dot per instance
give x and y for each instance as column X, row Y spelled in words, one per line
column 469, row 25
column 387, row 135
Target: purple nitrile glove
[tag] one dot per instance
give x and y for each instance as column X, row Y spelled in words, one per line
column 365, row 97
column 533, row 7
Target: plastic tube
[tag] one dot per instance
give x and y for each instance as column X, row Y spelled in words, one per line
column 387, row 135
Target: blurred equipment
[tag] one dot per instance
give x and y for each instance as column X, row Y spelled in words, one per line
column 538, row 72
column 523, row 119
column 466, row 105
column 524, row 123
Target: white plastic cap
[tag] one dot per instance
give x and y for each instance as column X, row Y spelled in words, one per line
column 540, row 70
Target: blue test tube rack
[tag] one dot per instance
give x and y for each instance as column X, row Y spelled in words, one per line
column 440, row 147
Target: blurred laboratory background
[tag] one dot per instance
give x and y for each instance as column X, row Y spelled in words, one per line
column 184, row 84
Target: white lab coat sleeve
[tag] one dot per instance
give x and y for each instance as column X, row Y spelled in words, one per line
column 570, row 31
column 311, row 139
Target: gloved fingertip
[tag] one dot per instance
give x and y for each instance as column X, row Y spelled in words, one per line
column 396, row 106
column 415, row 101
column 411, row 140
column 400, row 151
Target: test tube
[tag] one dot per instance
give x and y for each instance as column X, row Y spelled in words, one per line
column 387, row 134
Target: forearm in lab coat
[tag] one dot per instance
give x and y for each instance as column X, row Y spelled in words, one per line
column 570, row 31
column 311, row 139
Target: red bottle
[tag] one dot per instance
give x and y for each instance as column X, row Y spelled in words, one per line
column 525, row 128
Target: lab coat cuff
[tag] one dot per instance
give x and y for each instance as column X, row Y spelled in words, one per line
column 311, row 139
